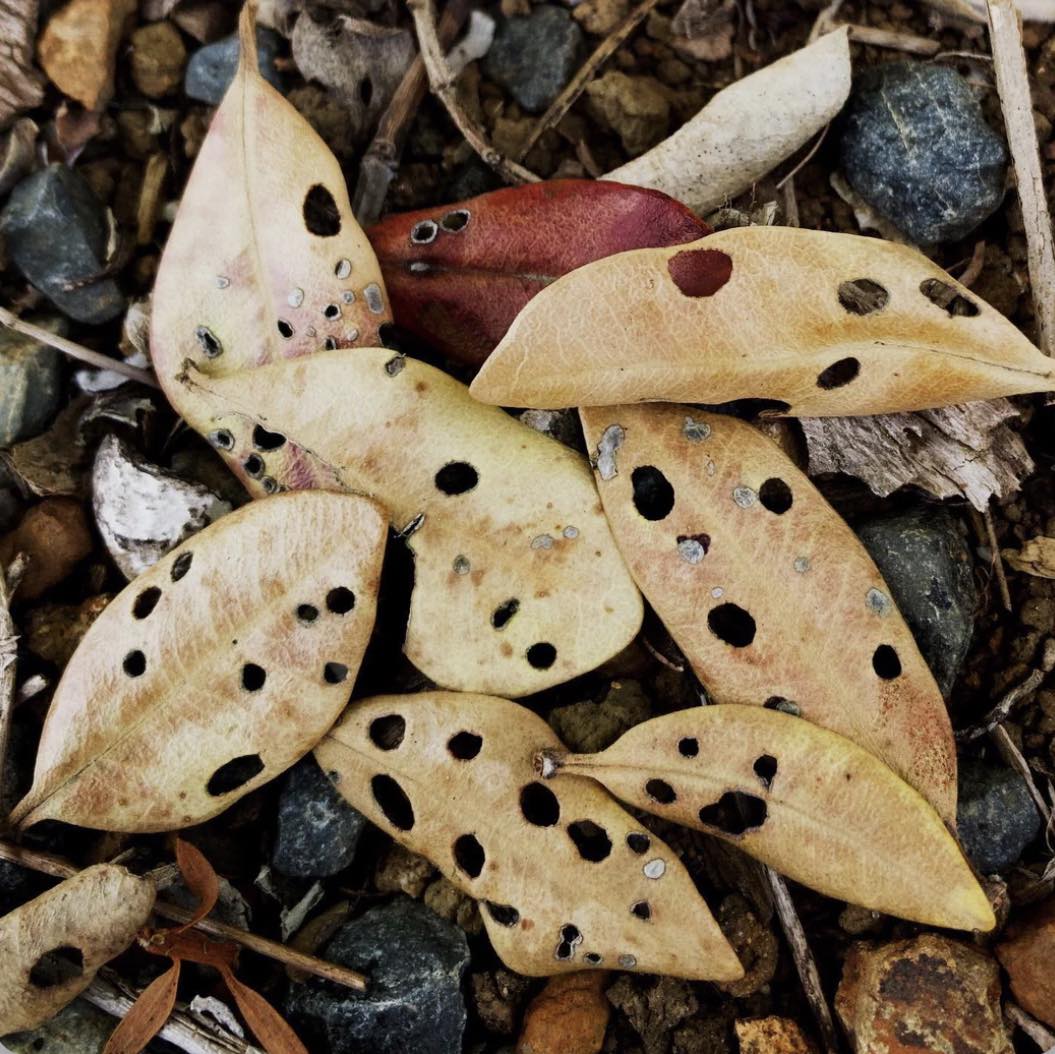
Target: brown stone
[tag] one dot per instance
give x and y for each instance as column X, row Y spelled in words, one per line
column 772, row 1035
column 1028, row 955
column 569, row 1016
column 928, row 993
column 158, row 59
column 53, row 631
column 54, row 535
column 635, row 108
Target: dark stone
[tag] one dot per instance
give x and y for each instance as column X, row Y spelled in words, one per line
column 415, row 961
column 534, row 57
column 318, row 831
column 915, row 145
column 58, row 235
column 996, row 816
column 927, row 565
column 30, row 384
column 211, row 68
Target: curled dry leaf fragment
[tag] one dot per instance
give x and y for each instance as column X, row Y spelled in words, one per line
column 747, row 129
column 568, row 880
column 1036, row 557
column 459, row 274
column 804, row 800
column 764, row 588
column 825, row 324
column 213, row 671
column 53, row 945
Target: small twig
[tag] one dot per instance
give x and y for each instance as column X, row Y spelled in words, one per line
column 997, row 560
column 791, row 201
column 575, row 87
column 999, row 714
column 1043, row 1037
column 809, row 156
column 443, row 86
column 1012, row 82
column 974, row 267
column 887, row 38
column 824, row 21
column 76, row 351
column 8, row 656
column 1013, row 756
column 660, row 657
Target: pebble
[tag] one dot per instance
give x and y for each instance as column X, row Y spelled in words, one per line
column 54, row 535
column 996, row 817
column 211, row 68
column 30, row 383
column 772, row 1035
column 498, row 998
column 534, row 57
column 402, row 871
column 569, row 1016
column 635, row 108
column 158, row 59
column 317, row 831
column 58, row 236
column 915, row 146
column 415, row 962
column 1027, row 955
column 927, row 564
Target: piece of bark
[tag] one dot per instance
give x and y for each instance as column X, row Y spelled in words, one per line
column 1031, row 10
column 1036, row 557
column 21, row 85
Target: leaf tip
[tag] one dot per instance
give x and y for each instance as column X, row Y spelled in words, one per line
column 247, row 56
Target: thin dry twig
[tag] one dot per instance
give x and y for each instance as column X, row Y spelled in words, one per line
column 1043, row 1037
column 997, row 560
column 999, row 714
column 8, row 655
column 1013, row 756
column 888, row 38
column 808, row 156
column 974, row 267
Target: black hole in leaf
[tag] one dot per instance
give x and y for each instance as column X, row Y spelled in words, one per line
column 775, row 495
column 58, row 966
column 253, row 465
column 340, row 600
column 564, row 950
column 592, row 958
column 688, row 747
column 135, row 663
column 331, row 311
column 642, row 910
column 469, row 855
column 542, row 655
column 146, row 602
column 653, row 494
column 730, row 623
column 661, row 791
column 253, row 677
column 456, row 477
column 947, row 298
column 307, row 612
column 638, row 843
column 393, row 802
column 455, row 220
column 366, row 91
column 424, row 232
column 222, row 438
column 886, row 663
column 321, row 215
column 334, row 672
column 285, row 329
column 503, row 914
column 208, row 342
column 387, row 732
column 570, row 933
column 785, row 706
column 590, row 839
column 465, row 745
column 181, row 565
column 765, row 767
column 539, row 805
column 265, row 440
column 838, row 374
column 862, row 296
column 734, row 813
column 234, row 774
column 504, row 612
column 330, row 343
column 390, row 336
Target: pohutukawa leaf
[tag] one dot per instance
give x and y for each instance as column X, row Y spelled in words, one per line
column 213, row 671
column 53, row 945
column 806, row 801
column 568, row 880
column 518, row 584
column 828, row 324
column 459, row 274
column 765, row 589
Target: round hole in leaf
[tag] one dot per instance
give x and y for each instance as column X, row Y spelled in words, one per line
column 387, row 732
column 331, row 311
column 334, row 672
column 503, row 914
column 135, row 663
column 642, row 910
column 688, row 747
column 208, row 342
column 321, row 215
column 838, row 374
column 734, row 813
column 539, row 805
column 234, row 774
column 570, row 933
column 454, row 221
column 307, row 612
column 265, row 440
column 945, row 296
column 58, row 966
column 253, row 465
column 464, row 745
column 886, row 663
column 592, row 958
column 222, row 439
column 253, row 677
column 660, row 791
column 785, row 706
column 653, row 494
column 393, row 802
column 775, row 495
column 340, row 600
column 504, row 612
column 285, row 329
column 564, row 950
column 542, row 655
column 423, row 232
column 862, row 296
column 456, row 477
column 590, row 839
column 765, row 767
column 638, row 843
column 469, row 855
column 181, row 565
column 146, row 602
column 731, row 624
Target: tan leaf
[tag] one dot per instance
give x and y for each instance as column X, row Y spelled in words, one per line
column 569, row 880
column 264, row 1020
column 765, row 589
column 200, row 879
column 1036, row 557
column 21, row 85
column 802, row 799
column 147, row 1015
column 518, row 584
column 53, row 946
column 213, row 671
column 829, row 324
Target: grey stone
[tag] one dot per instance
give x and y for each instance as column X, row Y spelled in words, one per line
column 58, row 236
column 535, row 56
column 415, row 961
column 317, row 831
column 915, row 145
column 996, row 817
column 30, row 383
column 78, row 1028
column 211, row 68
column 927, row 565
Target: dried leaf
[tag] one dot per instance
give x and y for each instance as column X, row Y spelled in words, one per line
column 21, row 85
column 213, row 671
column 568, row 879
column 747, row 129
column 147, row 1015
column 764, row 588
column 1036, row 557
column 458, row 274
column 200, row 879
column 264, row 1020
column 804, row 800
column 828, row 324
column 1036, row 10
column 53, row 946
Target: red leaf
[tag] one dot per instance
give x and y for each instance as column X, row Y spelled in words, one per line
column 457, row 275
column 147, row 1016
column 266, row 1023
column 200, row 878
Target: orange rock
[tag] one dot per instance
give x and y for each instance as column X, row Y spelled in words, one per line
column 1028, row 955
column 568, row 1016
column 54, row 535
column 772, row 1035
column 929, row 993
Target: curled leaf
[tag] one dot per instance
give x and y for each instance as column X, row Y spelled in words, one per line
column 53, row 945
column 824, row 324
column 213, row 671
column 804, row 800
column 568, row 880
column 764, row 587
column 199, row 877
column 147, row 1015
column 459, row 274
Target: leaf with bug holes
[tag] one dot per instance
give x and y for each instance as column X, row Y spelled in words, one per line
column 804, row 800
column 518, row 584
column 213, row 671
column 764, row 587
column 51, row 947
column 458, row 274
column 568, row 879
column 824, row 324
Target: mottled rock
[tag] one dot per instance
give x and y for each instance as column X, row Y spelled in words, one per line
column 996, row 817
column 772, row 1035
column 317, row 830
column 157, row 58
column 915, row 145
column 30, row 383
column 211, row 68
column 1027, row 954
column 569, row 1016
column 927, row 564
column 635, row 108
column 588, row 727
column 402, row 871
column 498, row 997
column 54, row 536
column 415, row 962
column 79, row 1028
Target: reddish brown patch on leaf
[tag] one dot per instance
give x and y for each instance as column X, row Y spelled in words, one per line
column 700, row 272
